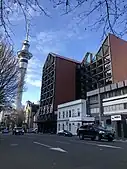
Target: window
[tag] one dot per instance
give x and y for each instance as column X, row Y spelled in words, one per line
column 63, row 114
column 59, row 115
column 73, row 112
column 69, row 126
column 69, row 113
column 59, row 127
column 125, row 105
column 78, row 125
column 78, row 111
column 63, row 126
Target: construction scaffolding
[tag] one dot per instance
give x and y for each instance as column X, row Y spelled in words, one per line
column 96, row 69
column 47, row 89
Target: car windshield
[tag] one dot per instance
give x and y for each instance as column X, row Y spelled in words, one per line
column 18, row 128
column 101, row 128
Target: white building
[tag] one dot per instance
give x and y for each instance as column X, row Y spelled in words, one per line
column 71, row 115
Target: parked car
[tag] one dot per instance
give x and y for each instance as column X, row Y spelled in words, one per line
column 18, row 131
column 5, row 131
column 31, row 130
column 64, row 133
column 95, row 133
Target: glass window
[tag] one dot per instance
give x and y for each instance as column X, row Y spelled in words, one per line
column 125, row 105
column 66, row 113
column 63, row 114
column 73, row 112
column 59, row 127
column 63, row 126
column 113, row 107
column 117, row 107
column 69, row 126
column 121, row 106
column 59, row 115
column 78, row 111
column 78, row 125
column 69, row 113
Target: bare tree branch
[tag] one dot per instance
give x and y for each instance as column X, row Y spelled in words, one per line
column 9, row 72
column 109, row 15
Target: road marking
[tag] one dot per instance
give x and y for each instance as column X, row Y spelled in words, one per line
column 58, row 149
column 108, row 146
column 51, row 148
column 13, row 144
column 95, row 144
column 62, row 142
column 42, row 144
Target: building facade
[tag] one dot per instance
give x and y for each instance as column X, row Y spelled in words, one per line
column 58, row 86
column 113, row 105
column 31, row 111
column 71, row 115
column 107, row 66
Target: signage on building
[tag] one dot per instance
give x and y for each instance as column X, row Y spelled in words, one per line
column 116, row 118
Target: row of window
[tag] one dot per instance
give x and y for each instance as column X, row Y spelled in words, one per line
column 110, row 94
column 69, row 113
column 67, row 126
column 110, row 108
column 115, row 107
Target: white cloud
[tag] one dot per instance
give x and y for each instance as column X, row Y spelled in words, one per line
column 41, row 45
column 33, row 76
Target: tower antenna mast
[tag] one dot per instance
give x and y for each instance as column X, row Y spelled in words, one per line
column 27, row 30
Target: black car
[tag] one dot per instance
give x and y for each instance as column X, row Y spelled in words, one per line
column 95, row 133
column 18, row 131
column 64, row 133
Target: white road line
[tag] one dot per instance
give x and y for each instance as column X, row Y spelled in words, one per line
column 51, row 148
column 108, row 146
column 95, row 144
column 58, row 149
column 42, row 144
column 62, row 142
column 13, row 144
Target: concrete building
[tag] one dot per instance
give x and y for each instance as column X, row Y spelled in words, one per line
column 31, row 112
column 107, row 66
column 113, row 105
column 58, row 86
column 65, row 80
column 71, row 115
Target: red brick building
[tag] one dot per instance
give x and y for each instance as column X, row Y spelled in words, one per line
column 58, row 86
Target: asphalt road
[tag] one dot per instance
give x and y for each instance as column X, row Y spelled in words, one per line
column 33, row 151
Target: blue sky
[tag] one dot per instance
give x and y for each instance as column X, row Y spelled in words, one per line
column 58, row 34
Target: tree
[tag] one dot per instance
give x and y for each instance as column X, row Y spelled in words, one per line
column 109, row 15
column 9, row 7
column 9, row 72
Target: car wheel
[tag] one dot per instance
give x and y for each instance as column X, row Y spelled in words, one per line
column 93, row 138
column 81, row 136
column 110, row 139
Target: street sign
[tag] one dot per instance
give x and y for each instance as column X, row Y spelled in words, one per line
column 116, row 118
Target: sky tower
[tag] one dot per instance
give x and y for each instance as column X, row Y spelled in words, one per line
column 23, row 56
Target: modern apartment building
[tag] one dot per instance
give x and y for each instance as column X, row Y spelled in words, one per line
column 58, row 86
column 65, row 80
column 106, row 67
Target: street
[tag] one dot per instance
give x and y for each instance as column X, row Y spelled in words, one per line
column 44, row 151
